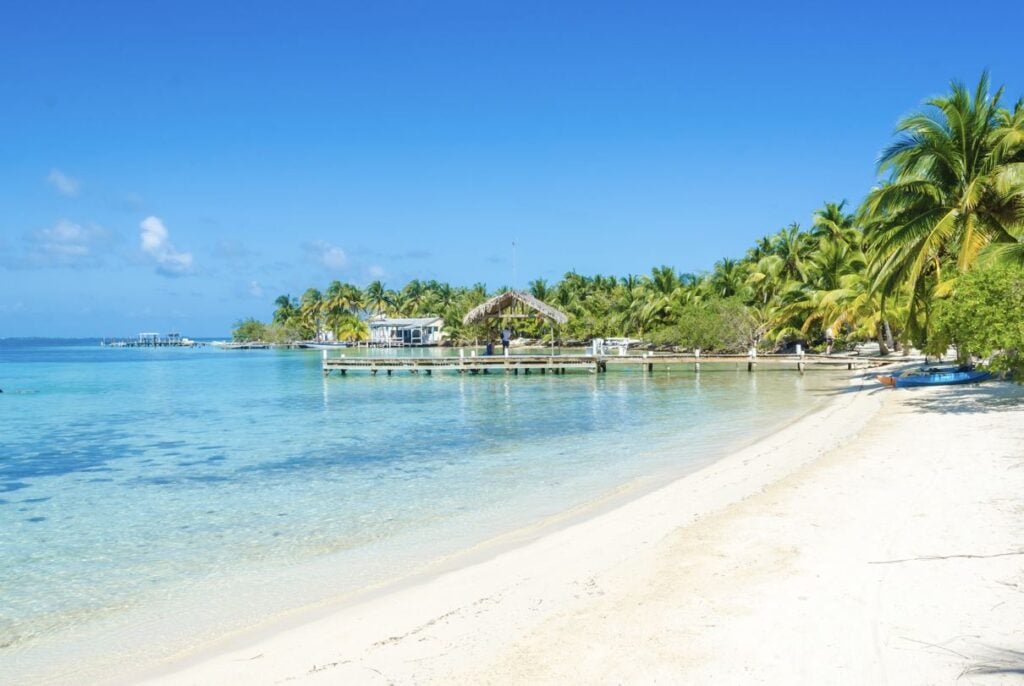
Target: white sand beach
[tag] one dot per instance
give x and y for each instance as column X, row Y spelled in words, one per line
column 879, row 540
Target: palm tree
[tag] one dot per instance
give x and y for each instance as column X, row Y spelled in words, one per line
column 763, row 247
column 664, row 281
column 856, row 305
column 311, row 306
column 834, row 259
column 444, row 296
column 333, row 289
column 1008, row 139
column 539, row 289
column 348, row 298
column 766, row 278
column 570, row 295
column 287, row 308
column 832, row 221
column 728, row 278
column 414, row 294
column 376, row 298
column 662, row 290
column 954, row 187
column 793, row 247
column 348, row 327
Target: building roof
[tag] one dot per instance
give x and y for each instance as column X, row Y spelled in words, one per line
column 507, row 303
column 405, row 322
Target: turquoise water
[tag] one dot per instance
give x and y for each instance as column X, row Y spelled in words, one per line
column 151, row 500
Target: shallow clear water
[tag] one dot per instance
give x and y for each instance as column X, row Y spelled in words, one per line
column 153, row 499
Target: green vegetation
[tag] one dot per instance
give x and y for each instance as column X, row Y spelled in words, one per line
column 954, row 197
column 249, row 330
column 950, row 200
column 715, row 324
column 986, row 316
column 336, row 310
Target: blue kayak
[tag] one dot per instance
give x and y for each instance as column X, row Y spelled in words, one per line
column 943, row 378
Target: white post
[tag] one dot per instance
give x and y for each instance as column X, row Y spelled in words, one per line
column 799, row 350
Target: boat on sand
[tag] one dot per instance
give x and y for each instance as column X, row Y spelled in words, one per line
column 934, row 377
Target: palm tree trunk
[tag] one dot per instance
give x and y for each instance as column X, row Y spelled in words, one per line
column 888, row 335
column 883, row 349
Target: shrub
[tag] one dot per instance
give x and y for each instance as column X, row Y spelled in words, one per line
column 725, row 325
column 722, row 325
column 248, row 330
column 985, row 317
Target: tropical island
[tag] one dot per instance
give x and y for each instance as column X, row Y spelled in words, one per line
column 933, row 256
column 575, row 343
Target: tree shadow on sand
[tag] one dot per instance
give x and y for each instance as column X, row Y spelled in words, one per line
column 995, row 396
column 973, row 399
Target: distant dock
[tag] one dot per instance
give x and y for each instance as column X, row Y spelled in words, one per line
column 151, row 340
column 595, row 364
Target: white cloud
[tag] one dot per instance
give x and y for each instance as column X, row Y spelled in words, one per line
column 376, row 271
column 67, row 244
column 64, row 184
column 325, row 254
column 156, row 243
column 255, row 289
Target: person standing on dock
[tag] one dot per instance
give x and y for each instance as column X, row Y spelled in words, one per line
column 506, row 335
column 830, row 339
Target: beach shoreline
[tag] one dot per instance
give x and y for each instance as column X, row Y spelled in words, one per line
column 624, row 443
column 564, row 607
column 481, row 553
column 491, row 608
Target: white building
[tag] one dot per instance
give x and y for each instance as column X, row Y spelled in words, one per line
column 389, row 331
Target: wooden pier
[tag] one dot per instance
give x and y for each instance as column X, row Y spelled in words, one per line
column 560, row 364
column 513, row 364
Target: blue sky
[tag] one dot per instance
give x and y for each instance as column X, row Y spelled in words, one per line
column 179, row 165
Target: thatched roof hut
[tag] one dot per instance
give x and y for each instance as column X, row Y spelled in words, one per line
column 514, row 305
